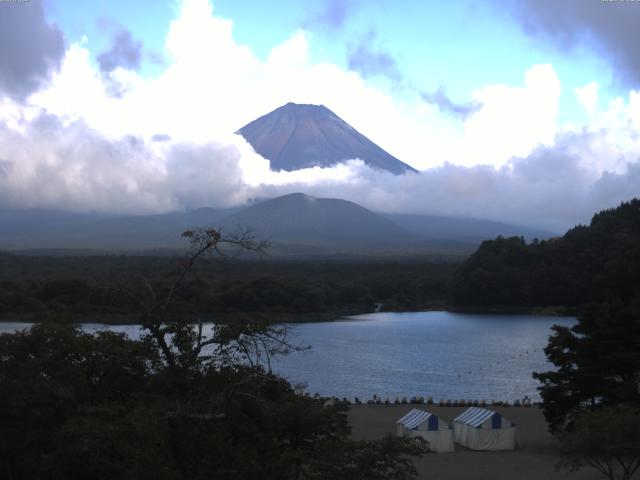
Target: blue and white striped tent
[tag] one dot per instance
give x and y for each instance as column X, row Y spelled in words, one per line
column 418, row 423
column 482, row 429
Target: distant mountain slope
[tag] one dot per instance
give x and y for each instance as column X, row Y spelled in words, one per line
column 295, row 136
column 469, row 230
column 301, row 219
column 588, row 264
column 296, row 224
column 35, row 221
column 38, row 230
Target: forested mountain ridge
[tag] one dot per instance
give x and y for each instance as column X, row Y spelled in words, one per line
column 296, row 225
column 588, row 264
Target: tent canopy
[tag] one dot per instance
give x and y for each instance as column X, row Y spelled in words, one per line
column 418, row 423
column 477, row 417
column 419, row 419
column 481, row 429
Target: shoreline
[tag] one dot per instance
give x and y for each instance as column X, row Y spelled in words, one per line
column 133, row 319
column 548, row 311
column 429, row 402
column 277, row 317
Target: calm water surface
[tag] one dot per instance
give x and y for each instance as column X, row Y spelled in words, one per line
column 438, row 354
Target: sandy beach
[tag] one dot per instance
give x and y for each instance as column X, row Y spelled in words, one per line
column 534, row 460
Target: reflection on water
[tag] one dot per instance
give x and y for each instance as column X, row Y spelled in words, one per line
column 438, row 354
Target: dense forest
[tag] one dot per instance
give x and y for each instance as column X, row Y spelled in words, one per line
column 588, row 264
column 182, row 403
column 179, row 403
column 591, row 397
column 72, row 288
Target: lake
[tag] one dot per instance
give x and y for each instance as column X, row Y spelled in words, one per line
column 439, row 354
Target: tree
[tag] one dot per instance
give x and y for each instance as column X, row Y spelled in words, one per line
column 597, row 363
column 68, row 397
column 183, row 342
column 183, row 402
column 607, row 440
column 587, row 264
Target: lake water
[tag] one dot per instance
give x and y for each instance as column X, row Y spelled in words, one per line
column 438, row 354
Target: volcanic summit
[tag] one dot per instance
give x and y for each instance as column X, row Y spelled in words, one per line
column 297, row 136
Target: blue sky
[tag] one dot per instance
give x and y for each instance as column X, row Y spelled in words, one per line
column 525, row 111
column 456, row 45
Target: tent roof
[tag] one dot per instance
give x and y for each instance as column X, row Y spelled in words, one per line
column 414, row 418
column 474, row 416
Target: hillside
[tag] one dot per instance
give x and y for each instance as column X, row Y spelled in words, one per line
column 467, row 230
column 299, row 219
column 41, row 229
column 588, row 264
column 296, row 225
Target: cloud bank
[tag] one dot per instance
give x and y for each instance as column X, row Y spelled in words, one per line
column 167, row 144
column 364, row 58
column 30, row 47
column 124, row 52
column 611, row 27
column 332, row 15
column 440, row 98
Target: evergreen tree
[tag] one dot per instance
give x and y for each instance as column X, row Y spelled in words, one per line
column 598, row 363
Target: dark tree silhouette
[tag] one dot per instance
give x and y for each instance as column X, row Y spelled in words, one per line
column 184, row 402
column 588, row 264
column 607, row 440
column 598, row 363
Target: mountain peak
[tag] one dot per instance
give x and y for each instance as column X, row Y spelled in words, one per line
column 302, row 109
column 301, row 219
column 298, row 196
column 296, row 136
column 292, row 105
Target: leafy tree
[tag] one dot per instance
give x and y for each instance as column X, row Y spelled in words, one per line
column 388, row 459
column 587, row 264
column 598, row 363
column 607, row 440
column 183, row 402
column 60, row 390
column 72, row 288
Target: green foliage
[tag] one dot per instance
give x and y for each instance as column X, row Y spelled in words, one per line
column 598, row 363
column 607, row 440
column 61, row 388
column 182, row 403
column 80, row 287
column 388, row 459
column 74, row 405
column 588, row 264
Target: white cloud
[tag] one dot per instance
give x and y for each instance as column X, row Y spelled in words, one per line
column 588, row 97
column 73, row 146
column 214, row 85
column 51, row 163
column 513, row 120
